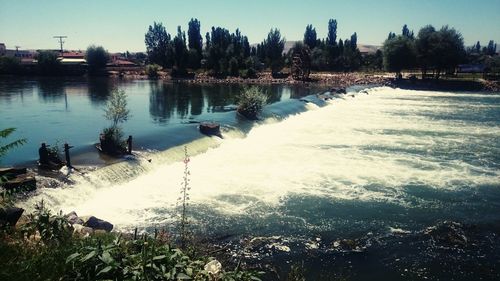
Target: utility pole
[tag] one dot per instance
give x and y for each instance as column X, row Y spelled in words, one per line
column 17, row 50
column 60, row 37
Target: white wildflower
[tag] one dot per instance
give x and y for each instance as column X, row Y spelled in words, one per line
column 213, row 267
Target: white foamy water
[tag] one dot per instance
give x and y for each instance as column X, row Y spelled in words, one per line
column 364, row 149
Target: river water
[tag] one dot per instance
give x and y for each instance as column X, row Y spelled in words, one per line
column 388, row 184
column 59, row 110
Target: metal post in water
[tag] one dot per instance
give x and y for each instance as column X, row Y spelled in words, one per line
column 129, row 143
column 66, row 153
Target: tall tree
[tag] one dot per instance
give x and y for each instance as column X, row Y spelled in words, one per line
column 180, row 51
column 195, row 44
column 195, row 41
column 399, row 54
column 97, row 57
column 425, row 55
column 477, row 47
column 441, row 50
column 391, row 35
column 491, row 49
column 157, row 42
column 448, row 49
column 274, row 46
column 218, row 40
column 310, row 36
column 331, row 39
column 406, row 32
column 354, row 41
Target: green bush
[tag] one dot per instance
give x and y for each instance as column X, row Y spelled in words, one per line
column 152, row 70
column 48, row 64
column 248, row 73
column 251, row 101
column 10, row 65
column 52, row 229
column 112, row 140
column 97, row 57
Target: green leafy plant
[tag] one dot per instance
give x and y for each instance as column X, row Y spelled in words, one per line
column 297, row 272
column 4, row 148
column 116, row 111
column 52, row 229
column 116, row 108
column 45, row 249
column 152, row 70
column 251, row 101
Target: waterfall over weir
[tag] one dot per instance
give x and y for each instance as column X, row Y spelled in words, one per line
column 389, row 158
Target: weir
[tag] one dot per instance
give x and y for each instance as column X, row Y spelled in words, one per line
column 375, row 161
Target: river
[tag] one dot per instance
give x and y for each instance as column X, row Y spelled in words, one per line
column 393, row 184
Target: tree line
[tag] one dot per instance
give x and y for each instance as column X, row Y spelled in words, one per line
column 439, row 51
column 224, row 53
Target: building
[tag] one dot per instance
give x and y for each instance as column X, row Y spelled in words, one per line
column 471, row 68
column 21, row 54
column 121, row 63
column 119, row 60
column 72, row 55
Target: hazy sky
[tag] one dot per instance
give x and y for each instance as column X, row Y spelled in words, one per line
column 121, row 25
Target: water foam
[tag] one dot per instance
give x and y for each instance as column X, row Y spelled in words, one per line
column 366, row 149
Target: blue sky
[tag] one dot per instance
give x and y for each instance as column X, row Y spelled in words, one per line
column 121, row 25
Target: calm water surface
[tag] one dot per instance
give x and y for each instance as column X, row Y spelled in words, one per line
column 71, row 110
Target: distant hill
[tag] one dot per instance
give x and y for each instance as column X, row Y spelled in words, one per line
column 368, row 49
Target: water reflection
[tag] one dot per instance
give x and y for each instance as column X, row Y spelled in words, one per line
column 219, row 96
column 51, row 90
column 181, row 101
column 12, row 88
column 99, row 90
column 197, row 100
column 160, row 103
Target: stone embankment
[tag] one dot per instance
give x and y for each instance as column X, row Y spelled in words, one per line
column 336, row 80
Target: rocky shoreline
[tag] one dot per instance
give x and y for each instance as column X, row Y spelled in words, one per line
column 334, row 80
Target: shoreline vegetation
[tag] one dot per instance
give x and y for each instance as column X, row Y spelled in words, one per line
column 334, row 80
column 328, row 79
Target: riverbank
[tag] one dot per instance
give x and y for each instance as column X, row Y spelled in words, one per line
column 336, row 80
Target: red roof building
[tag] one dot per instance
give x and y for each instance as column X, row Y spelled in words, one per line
column 73, row 55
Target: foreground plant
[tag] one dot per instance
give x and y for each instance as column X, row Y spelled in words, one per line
column 183, row 202
column 4, row 148
column 46, row 249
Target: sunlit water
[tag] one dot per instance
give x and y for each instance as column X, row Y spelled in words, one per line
column 71, row 110
column 378, row 168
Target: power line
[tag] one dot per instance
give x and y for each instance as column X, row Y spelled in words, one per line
column 61, row 42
